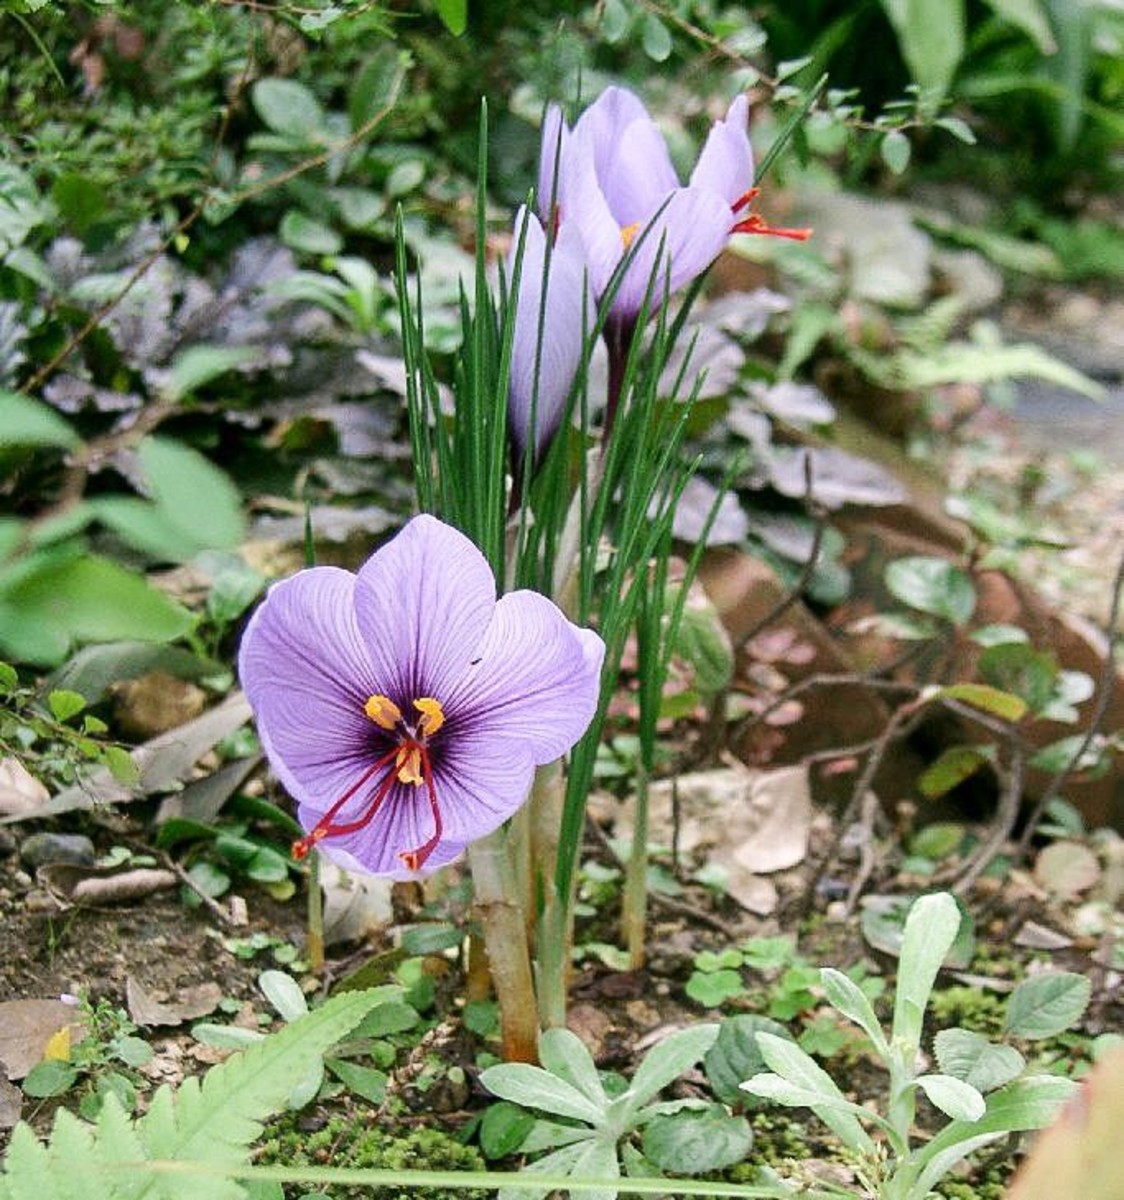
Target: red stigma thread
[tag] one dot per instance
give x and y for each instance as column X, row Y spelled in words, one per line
column 754, row 223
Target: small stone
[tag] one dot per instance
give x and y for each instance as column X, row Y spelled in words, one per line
column 74, row 849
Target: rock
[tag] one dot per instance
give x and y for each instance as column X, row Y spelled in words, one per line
column 74, row 849
column 156, row 703
column 975, row 282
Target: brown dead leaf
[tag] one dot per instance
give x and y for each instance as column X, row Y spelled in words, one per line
column 1066, row 868
column 20, row 792
column 92, row 887
column 11, row 1103
column 26, row 1026
column 190, row 1003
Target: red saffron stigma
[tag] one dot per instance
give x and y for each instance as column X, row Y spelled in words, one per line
column 753, row 223
column 326, row 827
column 414, row 860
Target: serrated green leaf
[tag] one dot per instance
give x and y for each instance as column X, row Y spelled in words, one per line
column 1046, row 1005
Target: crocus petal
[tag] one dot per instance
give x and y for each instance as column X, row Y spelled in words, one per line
column 725, row 165
column 422, row 604
column 535, row 685
column 636, row 173
column 537, row 397
column 306, row 671
column 689, row 233
column 603, row 126
column 402, row 824
column 585, row 209
column 555, row 134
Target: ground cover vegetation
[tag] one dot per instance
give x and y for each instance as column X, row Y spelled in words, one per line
column 736, row 734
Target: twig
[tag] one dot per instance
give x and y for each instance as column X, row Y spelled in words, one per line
column 1010, row 800
column 1105, row 688
column 208, row 902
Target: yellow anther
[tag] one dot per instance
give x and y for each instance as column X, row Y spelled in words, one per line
column 432, row 715
column 628, row 232
column 383, row 711
column 408, row 763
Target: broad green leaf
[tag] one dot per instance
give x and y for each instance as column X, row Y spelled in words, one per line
column 931, row 36
column 735, row 1055
column 937, row 841
column 65, row 704
column 288, row 108
column 954, row 765
column 970, row 1056
column 305, row 233
column 367, row 1082
column 193, row 493
column 615, row 21
column 564, row 1054
column 197, row 366
column 503, row 1128
column 453, row 14
column 987, row 699
column 28, row 422
column 533, row 1087
column 930, row 930
column 692, row 1142
column 798, row 1069
column 91, row 599
column 1030, row 17
column 933, row 586
column 712, row 989
column 1046, row 1005
column 955, row 1098
column 895, row 150
column 665, row 1062
column 849, row 999
column 284, row 993
column 655, row 38
column 1019, row 669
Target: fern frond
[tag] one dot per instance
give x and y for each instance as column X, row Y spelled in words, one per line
column 211, row 1124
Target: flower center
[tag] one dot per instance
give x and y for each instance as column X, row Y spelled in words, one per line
column 628, row 233
column 406, row 762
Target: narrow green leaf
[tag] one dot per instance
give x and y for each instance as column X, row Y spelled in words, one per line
column 930, row 930
column 848, row 998
column 954, row 765
column 1005, row 705
column 454, row 15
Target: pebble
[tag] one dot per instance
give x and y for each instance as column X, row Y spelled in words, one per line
column 40, row 849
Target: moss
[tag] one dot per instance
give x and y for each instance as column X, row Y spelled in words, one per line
column 968, row 1008
column 351, row 1142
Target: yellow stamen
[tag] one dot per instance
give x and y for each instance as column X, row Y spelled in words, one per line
column 628, row 232
column 383, row 711
column 408, row 763
column 432, row 715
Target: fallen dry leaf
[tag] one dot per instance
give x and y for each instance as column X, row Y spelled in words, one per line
column 20, row 792
column 26, row 1026
column 95, row 886
column 190, row 1003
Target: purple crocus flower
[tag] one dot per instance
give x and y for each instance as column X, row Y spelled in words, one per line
column 612, row 177
column 543, row 368
column 405, row 707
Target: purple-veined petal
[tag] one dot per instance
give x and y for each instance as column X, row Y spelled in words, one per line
column 552, row 150
column 567, row 315
column 585, row 211
column 690, row 233
column 402, row 824
column 637, row 174
column 536, row 683
column 725, row 165
column 602, row 127
column 481, row 781
column 422, row 604
column 305, row 669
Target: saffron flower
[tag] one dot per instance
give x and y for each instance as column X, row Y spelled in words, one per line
column 612, row 177
column 549, row 333
column 404, row 707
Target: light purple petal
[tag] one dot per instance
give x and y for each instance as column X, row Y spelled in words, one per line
column 725, row 165
column 567, row 315
column 585, row 210
column 552, row 153
column 402, row 824
column 636, row 174
column 536, row 683
column 306, row 671
column 691, row 232
column 602, row 127
column 423, row 603
column 481, row 781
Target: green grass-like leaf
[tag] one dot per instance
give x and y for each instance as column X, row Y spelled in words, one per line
column 211, row 1123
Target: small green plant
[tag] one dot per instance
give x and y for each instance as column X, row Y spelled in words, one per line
column 595, row 1124
column 209, row 1123
column 983, row 1087
column 103, row 1063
